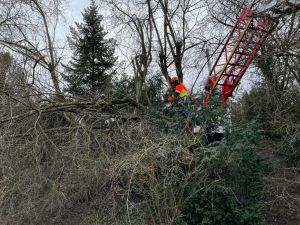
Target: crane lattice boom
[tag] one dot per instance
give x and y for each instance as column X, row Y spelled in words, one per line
column 249, row 33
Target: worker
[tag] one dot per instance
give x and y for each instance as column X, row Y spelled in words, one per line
column 178, row 92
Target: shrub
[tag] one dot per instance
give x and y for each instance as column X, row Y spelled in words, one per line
column 278, row 114
column 231, row 195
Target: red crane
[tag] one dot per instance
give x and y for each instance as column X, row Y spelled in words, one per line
column 248, row 34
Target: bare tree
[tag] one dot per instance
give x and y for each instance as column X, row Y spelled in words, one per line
column 172, row 29
column 28, row 28
column 180, row 32
column 138, row 22
column 279, row 58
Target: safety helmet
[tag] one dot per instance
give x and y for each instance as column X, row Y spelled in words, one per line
column 170, row 98
column 174, row 79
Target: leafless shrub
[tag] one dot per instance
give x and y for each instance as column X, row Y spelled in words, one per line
column 97, row 170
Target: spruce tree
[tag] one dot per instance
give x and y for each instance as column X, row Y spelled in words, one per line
column 90, row 71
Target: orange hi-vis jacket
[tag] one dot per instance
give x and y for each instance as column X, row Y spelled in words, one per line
column 181, row 90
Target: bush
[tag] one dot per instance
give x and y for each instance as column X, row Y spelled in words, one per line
column 128, row 172
column 231, row 195
column 278, row 114
column 290, row 149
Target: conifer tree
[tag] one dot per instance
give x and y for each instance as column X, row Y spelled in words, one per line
column 90, row 71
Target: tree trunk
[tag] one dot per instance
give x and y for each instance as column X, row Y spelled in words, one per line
column 138, row 89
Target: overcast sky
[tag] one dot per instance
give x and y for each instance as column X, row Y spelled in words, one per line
column 73, row 13
column 75, row 7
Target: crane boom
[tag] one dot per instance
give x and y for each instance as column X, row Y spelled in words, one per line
column 248, row 34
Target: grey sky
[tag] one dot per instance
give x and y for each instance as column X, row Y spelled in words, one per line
column 75, row 7
column 73, row 14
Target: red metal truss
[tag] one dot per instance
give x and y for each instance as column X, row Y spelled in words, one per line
column 243, row 42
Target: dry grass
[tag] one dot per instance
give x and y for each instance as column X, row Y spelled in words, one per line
column 56, row 172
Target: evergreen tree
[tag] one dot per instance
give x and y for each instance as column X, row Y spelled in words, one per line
column 90, row 70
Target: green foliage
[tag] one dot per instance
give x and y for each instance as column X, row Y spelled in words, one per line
column 290, row 149
column 232, row 192
column 278, row 115
column 210, row 116
column 154, row 90
column 219, row 205
column 90, row 69
column 172, row 118
column 177, row 116
column 258, row 104
column 5, row 63
column 124, row 86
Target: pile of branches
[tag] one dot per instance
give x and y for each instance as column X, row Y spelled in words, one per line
column 68, row 162
column 106, row 162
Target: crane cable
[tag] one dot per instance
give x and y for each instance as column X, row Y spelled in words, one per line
column 208, row 61
column 253, row 3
